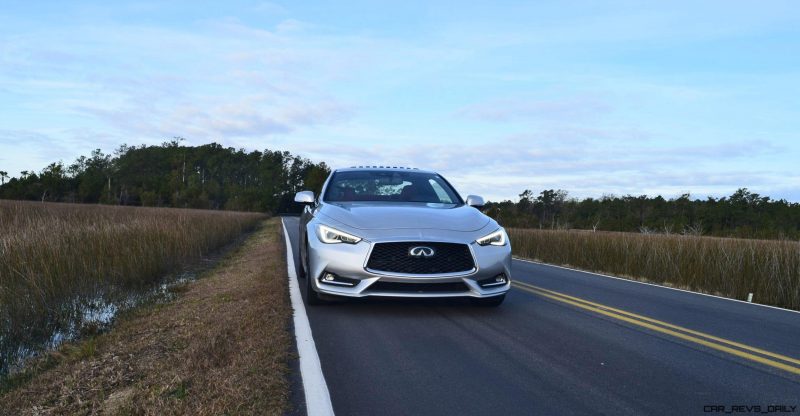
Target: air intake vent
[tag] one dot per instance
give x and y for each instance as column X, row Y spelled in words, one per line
column 418, row 287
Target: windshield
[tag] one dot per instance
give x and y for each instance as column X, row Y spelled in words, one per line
column 397, row 186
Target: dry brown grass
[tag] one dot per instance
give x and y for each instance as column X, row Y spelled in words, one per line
column 220, row 348
column 56, row 257
column 722, row 266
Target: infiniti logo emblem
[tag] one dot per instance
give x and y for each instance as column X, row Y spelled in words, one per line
column 421, row 251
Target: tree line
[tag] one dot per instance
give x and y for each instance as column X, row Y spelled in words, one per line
column 215, row 177
column 173, row 175
column 743, row 214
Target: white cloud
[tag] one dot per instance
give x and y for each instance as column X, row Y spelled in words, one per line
column 512, row 109
column 503, row 168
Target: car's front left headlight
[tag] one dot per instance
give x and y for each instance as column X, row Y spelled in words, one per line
column 497, row 238
column 330, row 235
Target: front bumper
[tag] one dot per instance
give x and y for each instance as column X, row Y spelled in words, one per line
column 349, row 261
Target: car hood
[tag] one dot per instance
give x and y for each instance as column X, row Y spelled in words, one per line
column 385, row 216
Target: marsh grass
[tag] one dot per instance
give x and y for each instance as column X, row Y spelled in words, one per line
column 62, row 262
column 221, row 347
column 730, row 267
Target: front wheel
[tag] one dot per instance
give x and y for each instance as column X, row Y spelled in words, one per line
column 302, row 270
column 312, row 297
column 493, row 301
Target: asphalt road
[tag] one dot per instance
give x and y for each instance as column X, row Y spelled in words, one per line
column 544, row 353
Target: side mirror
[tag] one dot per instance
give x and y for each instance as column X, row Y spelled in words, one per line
column 475, row 201
column 304, row 197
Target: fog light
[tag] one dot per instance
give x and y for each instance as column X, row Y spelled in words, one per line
column 498, row 280
column 332, row 279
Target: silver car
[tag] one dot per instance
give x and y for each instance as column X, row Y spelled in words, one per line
column 400, row 232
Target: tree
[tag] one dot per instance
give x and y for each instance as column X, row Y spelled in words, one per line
column 171, row 174
column 52, row 180
column 548, row 205
column 743, row 214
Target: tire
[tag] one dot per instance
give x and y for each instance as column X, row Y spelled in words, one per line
column 301, row 272
column 491, row 302
column 312, row 297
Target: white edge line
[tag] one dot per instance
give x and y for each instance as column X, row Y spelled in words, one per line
column 653, row 284
column 318, row 399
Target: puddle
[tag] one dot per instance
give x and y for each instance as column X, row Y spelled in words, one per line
column 89, row 315
column 83, row 316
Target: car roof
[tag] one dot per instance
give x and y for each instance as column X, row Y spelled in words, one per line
column 383, row 168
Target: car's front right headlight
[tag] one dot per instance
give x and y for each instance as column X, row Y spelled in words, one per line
column 497, row 238
column 330, row 235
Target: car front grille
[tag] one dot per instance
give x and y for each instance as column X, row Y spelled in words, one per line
column 418, row 287
column 395, row 258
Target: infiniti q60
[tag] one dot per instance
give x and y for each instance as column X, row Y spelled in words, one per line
column 399, row 232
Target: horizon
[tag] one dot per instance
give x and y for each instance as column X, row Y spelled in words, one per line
column 621, row 99
column 535, row 192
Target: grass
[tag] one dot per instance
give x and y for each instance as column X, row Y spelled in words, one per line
column 221, row 347
column 57, row 258
column 722, row 266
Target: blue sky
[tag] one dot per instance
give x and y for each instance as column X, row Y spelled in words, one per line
column 592, row 97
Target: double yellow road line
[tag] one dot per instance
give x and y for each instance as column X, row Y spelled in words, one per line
column 740, row 350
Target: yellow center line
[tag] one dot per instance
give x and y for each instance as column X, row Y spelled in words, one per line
column 663, row 327
column 666, row 324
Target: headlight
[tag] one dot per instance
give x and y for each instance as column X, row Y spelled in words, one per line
column 497, row 238
column 330, row 235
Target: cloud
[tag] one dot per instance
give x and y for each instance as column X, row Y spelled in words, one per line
column 513, row 109
column 245, row 117
column 503, row 168
column 220, row 79
column 27, row 150
column 117, row 81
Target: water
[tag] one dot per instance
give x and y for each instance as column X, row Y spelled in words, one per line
column 93, row 314
column 83, row 316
